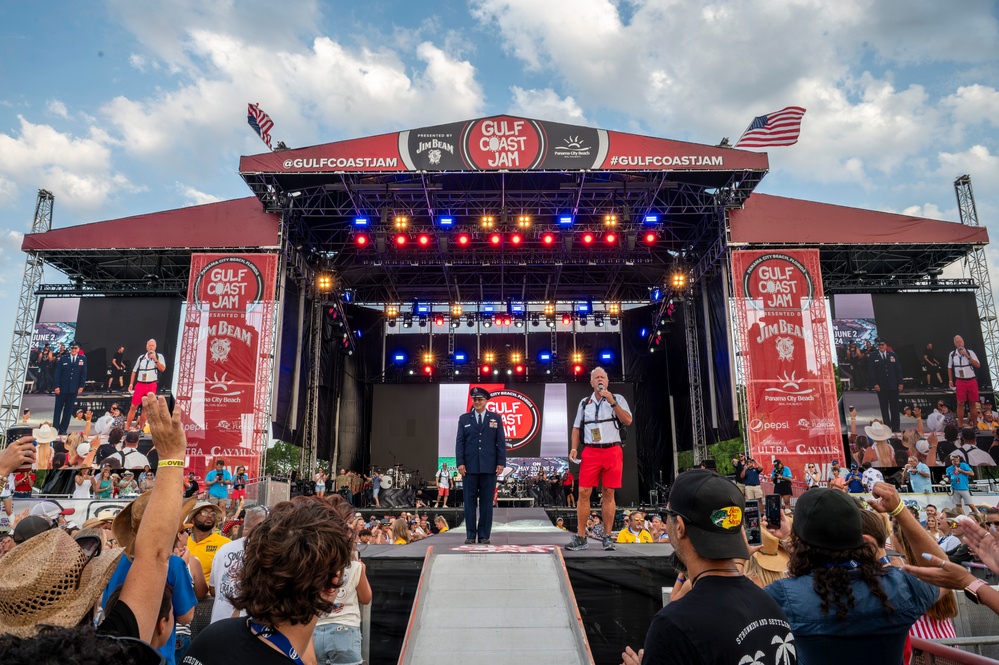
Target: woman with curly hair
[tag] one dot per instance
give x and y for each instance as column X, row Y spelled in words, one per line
column 292, row 569
column 837, row 588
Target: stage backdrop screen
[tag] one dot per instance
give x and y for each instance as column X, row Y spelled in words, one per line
column 414, row 426
column 919, row 328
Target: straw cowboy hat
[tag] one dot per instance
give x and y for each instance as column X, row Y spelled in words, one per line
column 47, row 581
column 201, row 505
column 45, row 434
column 876, row 431
column 126, row 523
column 772, row 557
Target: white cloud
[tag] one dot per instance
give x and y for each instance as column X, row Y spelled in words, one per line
column 193, row 197
column 973, row 104
column 546, row 105
column 55, row 107
column 138, row 62
column 76, row 169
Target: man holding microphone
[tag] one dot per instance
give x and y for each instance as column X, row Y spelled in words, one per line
column 598, row 418
column 147, row 370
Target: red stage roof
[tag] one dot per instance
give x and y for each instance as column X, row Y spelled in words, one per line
column 238, row 223
column 779, row 220
column 504, row 143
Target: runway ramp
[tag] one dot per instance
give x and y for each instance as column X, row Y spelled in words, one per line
column 499, row 604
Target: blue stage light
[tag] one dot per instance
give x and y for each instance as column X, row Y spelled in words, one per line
column 422, row 308
column 445, row 222
column 584, row 307
column 643, row 333
column 652, row 218
column 357, row 334
column 544, row 357
column 517, row 307
column 361, row 222
column 656, row 294
column 460, row 357
column 399, row 358
column 606, row 356
column 565, row 220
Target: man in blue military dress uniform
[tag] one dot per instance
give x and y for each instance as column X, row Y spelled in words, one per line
column 480, row 452
column 70, row 377
column 886, row 376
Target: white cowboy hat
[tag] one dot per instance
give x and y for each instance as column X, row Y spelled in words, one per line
column 45, row 434
column 877, row 432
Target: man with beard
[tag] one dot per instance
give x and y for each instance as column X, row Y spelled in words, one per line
column 724, row 618
column 203, row 542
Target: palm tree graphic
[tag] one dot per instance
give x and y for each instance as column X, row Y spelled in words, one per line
column 786, row 654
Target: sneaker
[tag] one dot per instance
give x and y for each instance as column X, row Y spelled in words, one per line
column 577, row 543
column 470, row 541
column 608, row 543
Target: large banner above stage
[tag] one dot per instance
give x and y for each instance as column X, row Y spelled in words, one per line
column 783, row 331
column 225, row 350
column 504, row 143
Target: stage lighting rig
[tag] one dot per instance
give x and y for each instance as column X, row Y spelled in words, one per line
column 324, row 283
column 487, row 221
column 401, row 222
column 524, row 222
column 678, row 281
column 456, row 310
column 610, row 221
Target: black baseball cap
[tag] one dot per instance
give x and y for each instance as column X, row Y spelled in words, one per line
column 828, row 519
column 711, row 507
column 479, row 392
column 31, row 526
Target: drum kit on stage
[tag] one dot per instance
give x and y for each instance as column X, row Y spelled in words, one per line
column 513, row 489
column 397, row 477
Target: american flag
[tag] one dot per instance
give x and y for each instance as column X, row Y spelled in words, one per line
column 261, row 122
column 777, row 128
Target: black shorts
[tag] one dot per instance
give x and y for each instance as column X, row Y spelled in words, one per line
column 782, row 487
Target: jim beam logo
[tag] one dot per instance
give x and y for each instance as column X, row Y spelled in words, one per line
column 434, row 147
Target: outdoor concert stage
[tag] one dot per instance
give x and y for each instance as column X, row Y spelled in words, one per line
column 617, row 592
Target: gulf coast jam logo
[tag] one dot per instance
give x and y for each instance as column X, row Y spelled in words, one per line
column 520, row 416
column 504, row 143
column 778, row 282
column 228, row 284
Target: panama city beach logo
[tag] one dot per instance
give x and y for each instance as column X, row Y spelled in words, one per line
column 572, row 147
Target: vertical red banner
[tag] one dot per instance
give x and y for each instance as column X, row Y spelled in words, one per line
column 225, row 358
column 784, row 338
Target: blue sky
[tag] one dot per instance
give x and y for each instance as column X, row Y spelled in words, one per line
column 126, row 106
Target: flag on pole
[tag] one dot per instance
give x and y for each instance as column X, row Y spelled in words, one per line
column 773, row 129
column 261, row 123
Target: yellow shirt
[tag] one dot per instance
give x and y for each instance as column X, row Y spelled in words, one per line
column 205, row 550
column 443, row 529
column 400, row 541
column 626, row 536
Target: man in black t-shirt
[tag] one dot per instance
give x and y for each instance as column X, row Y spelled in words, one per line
column 192, row 487
column 724, row 618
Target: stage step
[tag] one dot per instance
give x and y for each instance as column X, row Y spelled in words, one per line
column 494, row 605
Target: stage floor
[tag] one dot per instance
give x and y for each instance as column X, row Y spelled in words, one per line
column 618, row 592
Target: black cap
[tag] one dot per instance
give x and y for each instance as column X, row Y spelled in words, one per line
column 711, row 507
column 479, row 392
column 828, row 519
column 31, row 526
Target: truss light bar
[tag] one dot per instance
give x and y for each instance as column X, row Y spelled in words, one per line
column 400, row 240
column 487, row 221
column 565, row 220
column 549, row 309
column 610, row 220
column 496, row 240
column 361, row 222
column 584, row 306
column 421, row 308
column 362, row 240
column 606, row 356
column 650, row 237
column 566, row 319
column 651, row 218
column 614, row 308
column 399, row 357
column 485, row 369
column 423, row 240
column 455, row 309
column 445, row 222
column 460, row 357
column 544, row 357
column 588, row 238
column 516, row 239
column 439, row 320
column 524, row 221
column 548, row 239
column 610, row 238
column 401, row 222
column 464, row 240
column 324, row 282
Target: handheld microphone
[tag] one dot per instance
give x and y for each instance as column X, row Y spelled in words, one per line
column 600, row 387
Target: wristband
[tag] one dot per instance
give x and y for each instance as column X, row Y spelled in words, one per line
column 172, row 462
column 898, row 509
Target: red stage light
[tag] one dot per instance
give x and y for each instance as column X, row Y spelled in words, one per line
column 464, row 239
column 548, row 239
column 518, row 369
column 400, row 240
column 577, row 369
column 587, row 238
column 362, row 241
column 428, row 369
column 650, row 238
column 566, row 319
column 495, row 239
column 423, row 239
column 485, row 369
column 610, row 238
column 515, row 239
column 439, row 320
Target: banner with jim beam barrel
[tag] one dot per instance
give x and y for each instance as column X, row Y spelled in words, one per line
column 784, row 332
column 226, row 344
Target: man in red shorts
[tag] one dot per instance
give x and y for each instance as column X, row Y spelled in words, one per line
column 145, row 374
column 961, row 366
column 598, row 420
